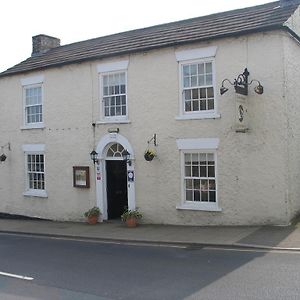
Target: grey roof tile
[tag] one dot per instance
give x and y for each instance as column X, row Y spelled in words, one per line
column 265, row 17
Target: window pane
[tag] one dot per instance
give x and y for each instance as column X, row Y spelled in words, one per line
column 195, row 94
column 208, row 67
column 196, row 195
column 195, row 105
column 194, row 81
column 203, row 171
column 193, row 69
column 189, row 195
column 201, row 79
column 188, row 172
column 186, row 70
column 211, row 171
column 195, row 171
column 201, row 69
column 188, row 106
column 187, row 94
column 187, row 158
column 189, row 184
column 210, row 104
column 212, row 196
column 209, row 79
column 186, row 81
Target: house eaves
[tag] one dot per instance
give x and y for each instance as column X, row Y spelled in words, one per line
column 262, row 18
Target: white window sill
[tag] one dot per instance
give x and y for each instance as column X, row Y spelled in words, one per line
column 199, row 206
column 33, row 126
column 199, row 116
column 113, row 122
column 36, row 193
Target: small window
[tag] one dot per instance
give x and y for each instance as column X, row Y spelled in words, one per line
column 33, row 105
column 114, row 95
column 35, row 172
column 115, row 150
column 197, row 87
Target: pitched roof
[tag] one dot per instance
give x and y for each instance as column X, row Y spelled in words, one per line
column 264, row 17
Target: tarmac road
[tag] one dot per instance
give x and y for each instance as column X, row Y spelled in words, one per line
column 48, row 268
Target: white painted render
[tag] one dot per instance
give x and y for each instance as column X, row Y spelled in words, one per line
column 258, row 171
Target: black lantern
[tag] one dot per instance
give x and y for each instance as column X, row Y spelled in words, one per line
column 241, row 84
column 94, row 156
column 2, row 157
column 126, row 157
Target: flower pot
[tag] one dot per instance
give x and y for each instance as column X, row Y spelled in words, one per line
column 131, row 222
column 92, row 220
column 148, row 156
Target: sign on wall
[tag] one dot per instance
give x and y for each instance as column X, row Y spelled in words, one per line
column 241, row 113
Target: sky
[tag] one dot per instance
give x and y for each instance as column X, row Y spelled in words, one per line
column 78, row 20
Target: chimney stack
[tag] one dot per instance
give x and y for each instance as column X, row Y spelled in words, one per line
column 284, row 3
column 42, row 43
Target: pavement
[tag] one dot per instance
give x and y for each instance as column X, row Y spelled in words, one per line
column 259, row 237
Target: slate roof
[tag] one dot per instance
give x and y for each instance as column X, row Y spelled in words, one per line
column 260, row 18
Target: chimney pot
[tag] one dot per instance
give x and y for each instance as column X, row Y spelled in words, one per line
column 42, row 43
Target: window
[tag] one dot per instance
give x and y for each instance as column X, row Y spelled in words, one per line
column 113, row 92
column 197, row 83
column 115, row 150
column 33, row 102
column 35, row 170
column 198, row 90
column 199, row 177
column 199, row 174
column 33, row 105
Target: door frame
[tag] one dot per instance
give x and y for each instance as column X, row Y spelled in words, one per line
column 100, row 171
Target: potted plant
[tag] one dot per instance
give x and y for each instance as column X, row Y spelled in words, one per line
column 92, row 215
column 149, row 154
column 131, row 217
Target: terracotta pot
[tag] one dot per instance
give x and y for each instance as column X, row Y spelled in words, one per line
column 131, row 222
column 92, row 220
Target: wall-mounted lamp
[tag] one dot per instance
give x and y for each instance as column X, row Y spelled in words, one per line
column 94, row 156
column 126, row 157
column 3, row 156
column 241, row 84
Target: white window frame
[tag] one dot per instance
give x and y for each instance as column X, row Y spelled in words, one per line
column 34, row 149
column 204, row 145
column 108, row 69
column 196, row 56
column 27, row 83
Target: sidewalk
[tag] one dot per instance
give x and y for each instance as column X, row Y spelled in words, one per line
column 266, row 237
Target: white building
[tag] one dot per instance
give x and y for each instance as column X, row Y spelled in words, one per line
column 228, row 159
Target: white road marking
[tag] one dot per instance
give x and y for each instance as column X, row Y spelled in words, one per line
column 15, row 276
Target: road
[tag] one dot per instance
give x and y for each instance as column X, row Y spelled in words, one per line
column 82, row 270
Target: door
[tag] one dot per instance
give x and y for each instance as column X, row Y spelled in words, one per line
column 116, row 174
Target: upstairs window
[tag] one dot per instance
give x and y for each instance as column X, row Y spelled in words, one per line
column 197, row 83
column 33, row 105
column 33, row 113
column 114, row 94
column 198, row 90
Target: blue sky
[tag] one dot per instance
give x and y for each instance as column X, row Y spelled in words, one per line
column 77, row 20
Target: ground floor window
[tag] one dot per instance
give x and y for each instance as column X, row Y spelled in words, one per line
column 199, row 174
column 35, row 172
column 199, row 177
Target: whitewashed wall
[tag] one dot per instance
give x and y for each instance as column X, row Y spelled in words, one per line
column 252, row 167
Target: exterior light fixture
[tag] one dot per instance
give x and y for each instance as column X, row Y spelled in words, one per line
column 241, row 84
column 94, row 156
column 126, row 157
column 3, row 156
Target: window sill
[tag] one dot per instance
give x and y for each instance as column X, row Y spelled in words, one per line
column 199, row 116
column 35, row 126
column 113, row 122
column 200, row 206
column 36, row 193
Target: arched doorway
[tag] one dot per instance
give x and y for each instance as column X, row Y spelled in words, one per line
column 114, row 190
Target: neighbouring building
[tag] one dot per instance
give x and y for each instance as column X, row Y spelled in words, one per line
column 230, row 159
